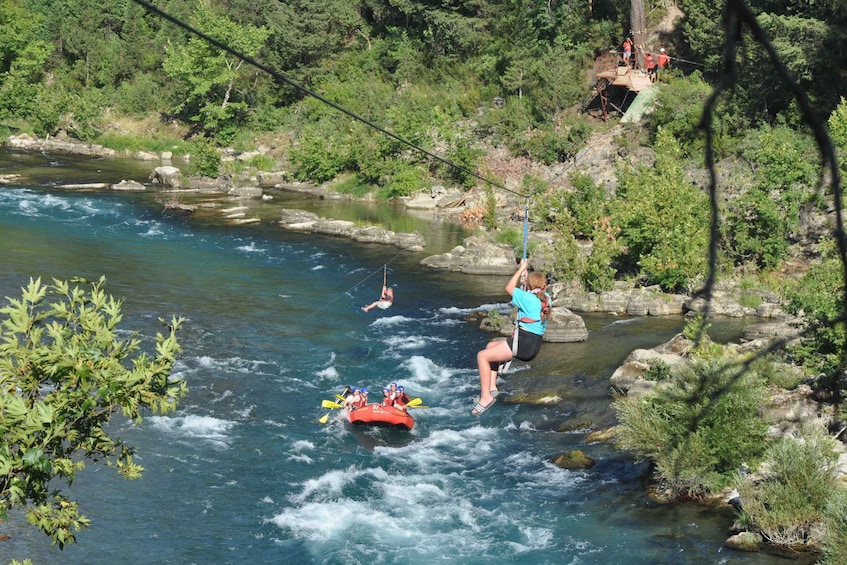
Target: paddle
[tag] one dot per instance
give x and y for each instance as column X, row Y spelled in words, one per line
column 416, row 403
column 328, row 404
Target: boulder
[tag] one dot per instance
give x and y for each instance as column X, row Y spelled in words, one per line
column 565, row 327
column 745, row 541
column 145, row 156
column 478, row 256
column 575, row 459
column 166, row 175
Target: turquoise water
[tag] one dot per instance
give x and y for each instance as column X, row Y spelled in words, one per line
column 244, row 473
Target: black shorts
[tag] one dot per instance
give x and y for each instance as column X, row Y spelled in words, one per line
column 529, row 344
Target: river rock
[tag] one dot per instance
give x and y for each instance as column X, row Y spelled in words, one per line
column 145, row 156
column 565, row 327
column 26, row 141
column 478, row 256
column 786, row 329
column 436, row 197
column 575, row 459
column 301, row 220
column 622, row 299
column 165, row 175
column 242, row 191
column 128, row 185
column 745, row 541
column 297, row 220
column 629, row 377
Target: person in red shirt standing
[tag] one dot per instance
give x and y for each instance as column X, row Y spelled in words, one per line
column 650, row 63
column 663, row 61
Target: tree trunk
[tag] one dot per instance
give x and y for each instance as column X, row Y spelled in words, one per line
column 638, row 21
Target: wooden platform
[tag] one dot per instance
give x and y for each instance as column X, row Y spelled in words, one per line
column 630, row 78
column 608, row 71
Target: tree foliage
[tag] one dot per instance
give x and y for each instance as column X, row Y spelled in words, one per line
column 64, row 372
column 698, row 426
column 663, row 220
column 214, row 97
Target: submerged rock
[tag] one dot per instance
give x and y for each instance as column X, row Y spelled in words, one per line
column 575, row 459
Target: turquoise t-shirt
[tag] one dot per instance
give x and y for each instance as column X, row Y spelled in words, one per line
column 529, row 306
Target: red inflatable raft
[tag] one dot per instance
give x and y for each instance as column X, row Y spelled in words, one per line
column 380, row 415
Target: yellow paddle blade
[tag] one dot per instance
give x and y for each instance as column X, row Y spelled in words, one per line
column 417, row 406
column 331, row 404
column 415, row 402
column 324, row 419
column 341, row 398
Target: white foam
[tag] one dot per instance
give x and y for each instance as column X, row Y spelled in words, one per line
column 426, row 374
column 330, row 373
column 195, row 427
column 456, row 311
column 391, row 321
column 251, row 248
column 407, row 341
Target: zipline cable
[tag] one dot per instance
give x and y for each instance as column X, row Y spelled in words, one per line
column 146, row 5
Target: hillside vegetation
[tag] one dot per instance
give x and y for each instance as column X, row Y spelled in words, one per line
column 468, row 79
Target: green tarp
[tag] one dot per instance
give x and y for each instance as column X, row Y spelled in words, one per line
column 642, row 104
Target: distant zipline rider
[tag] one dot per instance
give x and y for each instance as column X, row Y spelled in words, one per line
column 533, row 305
column 386, row 298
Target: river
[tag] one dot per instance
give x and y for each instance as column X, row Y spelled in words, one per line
column 243, row 472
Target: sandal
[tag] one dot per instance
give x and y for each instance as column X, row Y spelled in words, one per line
column 493, row 392
column 479, row 408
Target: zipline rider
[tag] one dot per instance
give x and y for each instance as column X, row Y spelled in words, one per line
column 533, row 310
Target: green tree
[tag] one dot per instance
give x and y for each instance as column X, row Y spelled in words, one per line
column 211, row 76
column 22, row 59
column 663, row 220
column 64, row 373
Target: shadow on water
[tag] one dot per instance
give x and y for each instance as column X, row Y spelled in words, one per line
column 371, row 437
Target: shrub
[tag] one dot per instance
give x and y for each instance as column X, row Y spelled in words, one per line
column 835, row 538
column 205, row 158
column 262, row 162
column 658, row 371
column 490, row 217
column 789, row 505
column 697, row 427
column 404, row 181
column 822, row 346
column 352, row 185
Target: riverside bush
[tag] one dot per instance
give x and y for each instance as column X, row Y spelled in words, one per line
column 800, row 480
column 205, row 158
column 697, row 427
column 819, row 298
column 835, row 538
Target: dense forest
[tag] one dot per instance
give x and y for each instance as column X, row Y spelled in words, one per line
column 430, row 71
